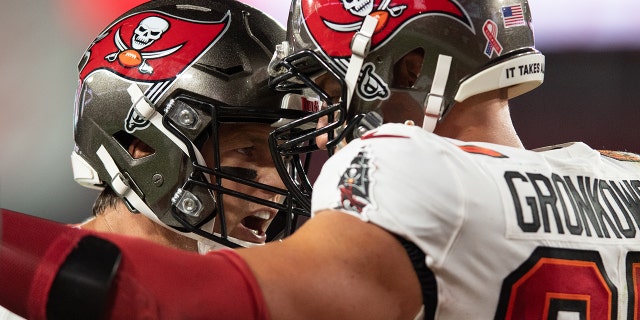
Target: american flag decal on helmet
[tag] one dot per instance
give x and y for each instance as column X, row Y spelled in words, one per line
column 513, row 16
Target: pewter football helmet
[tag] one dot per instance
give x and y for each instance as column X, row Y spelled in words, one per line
column 169, row 73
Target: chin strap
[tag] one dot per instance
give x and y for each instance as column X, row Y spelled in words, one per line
column 435, row 100
column 360, row 45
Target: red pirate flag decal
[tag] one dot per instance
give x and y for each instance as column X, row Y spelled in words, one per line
column 152, row 46
column 334, row 23
column 354, row 184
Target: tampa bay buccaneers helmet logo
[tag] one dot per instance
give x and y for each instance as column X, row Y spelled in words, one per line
column 332, row 23
column 152, row 46
column 362, row 8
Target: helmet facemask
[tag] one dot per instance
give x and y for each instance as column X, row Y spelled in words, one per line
column 215, row 175
column 319, row 89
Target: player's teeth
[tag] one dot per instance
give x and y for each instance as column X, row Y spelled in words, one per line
column 256, row 232
column 262, row 215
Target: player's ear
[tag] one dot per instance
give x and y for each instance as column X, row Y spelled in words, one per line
column 138, row 149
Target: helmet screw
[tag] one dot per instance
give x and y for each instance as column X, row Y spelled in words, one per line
column 189, row 205
column 186, row 118
column 187, row 202
column 362, row 130
column 157, row 179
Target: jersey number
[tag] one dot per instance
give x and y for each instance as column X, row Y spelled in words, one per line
column 567, row 284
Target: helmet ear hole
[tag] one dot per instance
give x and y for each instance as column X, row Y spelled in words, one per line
column 138, row 149
column 134, row 146
column 407, row 69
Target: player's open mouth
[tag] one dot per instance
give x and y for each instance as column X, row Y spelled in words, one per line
column 255, row 226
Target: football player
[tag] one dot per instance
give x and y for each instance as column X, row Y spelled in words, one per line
column 442, row 216
column 199, row 157
column 172, row 118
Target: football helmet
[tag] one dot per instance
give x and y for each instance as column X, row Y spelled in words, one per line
column 448, row 51
column 169, row 74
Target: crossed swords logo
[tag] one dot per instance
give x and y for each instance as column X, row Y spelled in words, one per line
column 362, row 8
column 148, row 31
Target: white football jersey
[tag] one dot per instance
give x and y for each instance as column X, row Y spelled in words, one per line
column 508, row 233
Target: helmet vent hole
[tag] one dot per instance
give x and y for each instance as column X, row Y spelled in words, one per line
column 231, row 70
column 221, row 72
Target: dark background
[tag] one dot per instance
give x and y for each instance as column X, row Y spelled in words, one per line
column 586, row 96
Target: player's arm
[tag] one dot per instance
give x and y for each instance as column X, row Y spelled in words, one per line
column 336, row 267
column 150, row 281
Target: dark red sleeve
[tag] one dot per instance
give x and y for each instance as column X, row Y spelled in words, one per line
column 152, row 281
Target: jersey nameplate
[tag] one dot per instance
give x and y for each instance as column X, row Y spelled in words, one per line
column 570, row 206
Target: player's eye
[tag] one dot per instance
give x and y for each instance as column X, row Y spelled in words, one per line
column 247, row 151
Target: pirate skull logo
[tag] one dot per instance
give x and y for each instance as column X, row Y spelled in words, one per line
column 148, row 31
column 363, row 8
column 360, row 8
